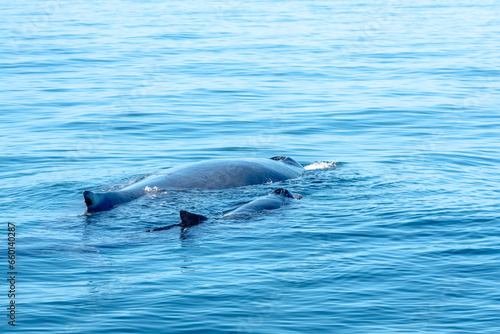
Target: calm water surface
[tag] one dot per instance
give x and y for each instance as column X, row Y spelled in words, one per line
column 392, row 106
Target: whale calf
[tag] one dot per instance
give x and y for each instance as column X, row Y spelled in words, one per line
column 274, row 200
column 210, row 174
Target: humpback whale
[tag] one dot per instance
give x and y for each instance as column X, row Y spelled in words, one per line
column 210, row 174
column 274, row 200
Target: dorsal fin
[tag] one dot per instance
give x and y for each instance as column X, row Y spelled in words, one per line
column 190, row 219
column 287, row 160
column 284, row 192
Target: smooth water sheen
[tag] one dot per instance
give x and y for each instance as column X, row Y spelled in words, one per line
column 392, row 106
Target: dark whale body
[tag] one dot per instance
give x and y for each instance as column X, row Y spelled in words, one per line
column 274, row 200
column 211, row 174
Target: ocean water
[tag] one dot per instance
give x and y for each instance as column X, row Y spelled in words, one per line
column 392, row 106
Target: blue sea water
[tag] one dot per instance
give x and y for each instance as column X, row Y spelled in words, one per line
column 392, row 106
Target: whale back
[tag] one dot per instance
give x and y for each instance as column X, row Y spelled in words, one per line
column 211, row 174
column 223, row 174
column 273, row 201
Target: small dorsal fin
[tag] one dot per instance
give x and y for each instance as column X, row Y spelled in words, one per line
column 190, row 219
column 284, row 192
column 287, row 160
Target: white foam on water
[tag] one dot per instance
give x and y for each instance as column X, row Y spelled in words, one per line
column 322, row 165
column 148, row 189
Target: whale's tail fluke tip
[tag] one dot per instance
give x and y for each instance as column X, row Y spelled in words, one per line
column 190, row 219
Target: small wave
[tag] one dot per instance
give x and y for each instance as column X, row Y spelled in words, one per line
column 322, row 165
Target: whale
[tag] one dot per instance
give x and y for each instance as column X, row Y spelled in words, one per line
column 274, row 200
column 210, row 174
